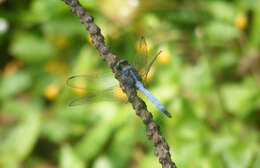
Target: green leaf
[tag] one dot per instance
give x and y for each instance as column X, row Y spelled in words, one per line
column 189, row 151
column 18, row 143
column 198, row 79
column 103, row 162
column 239, row 156
column 31, row 48
column 226, row 60
column 254, row 35
column 222, row 10
column 222, row 143
column 90, row 4
column 257, row 160
column 241, row 99
column 68, row 159
column 13, row 84
column 42, row 11
column 149, row 161
column 122, row 146
column 93, row 142
column 86, row 61
column 56, row 27
column 220, row 33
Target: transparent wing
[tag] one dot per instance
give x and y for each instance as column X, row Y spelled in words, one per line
column 91, row 82
column 148, row 67
column 94, row 87
column 91, row 97
column 79, row 81
column 141, row 59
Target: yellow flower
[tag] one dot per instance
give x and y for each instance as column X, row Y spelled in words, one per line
column 118, row 93
column 51, row 92
column 241, row 21
column 164, row 57
column 141, row 48
column 148, row 78
column 90, row 40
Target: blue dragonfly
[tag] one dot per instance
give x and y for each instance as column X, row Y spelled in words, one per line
column 130, row 76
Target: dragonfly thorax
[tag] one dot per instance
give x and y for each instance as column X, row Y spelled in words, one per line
column 129, row 75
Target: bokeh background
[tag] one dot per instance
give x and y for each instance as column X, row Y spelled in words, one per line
column 208, row 77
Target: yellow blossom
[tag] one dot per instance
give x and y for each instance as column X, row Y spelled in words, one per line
column 143, row 46
column 118, row 93
column 51, row 91
column 164, row 57
column 148, row 78
column 241, row 21
column 90, row 40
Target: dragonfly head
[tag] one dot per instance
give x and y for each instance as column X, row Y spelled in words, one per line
column 120, row 64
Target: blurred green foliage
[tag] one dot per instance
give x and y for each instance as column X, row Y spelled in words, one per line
column 208, row 77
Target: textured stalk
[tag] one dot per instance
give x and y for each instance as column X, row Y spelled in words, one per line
column 152, row 129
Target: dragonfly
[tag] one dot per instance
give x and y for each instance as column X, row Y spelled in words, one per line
column 130, row 76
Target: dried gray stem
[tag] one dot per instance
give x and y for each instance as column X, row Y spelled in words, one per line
column 152, row 129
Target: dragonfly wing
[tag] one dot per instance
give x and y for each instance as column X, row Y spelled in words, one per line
column 148, row 67
column 79, row 81
column 97, row 86
column 90, row 82
column 82, row 100
column 92, row 97
column 141, row 59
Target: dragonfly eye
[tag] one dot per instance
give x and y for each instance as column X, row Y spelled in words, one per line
column 119, row 63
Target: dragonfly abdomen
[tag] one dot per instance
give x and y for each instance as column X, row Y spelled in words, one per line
column 156, row 102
